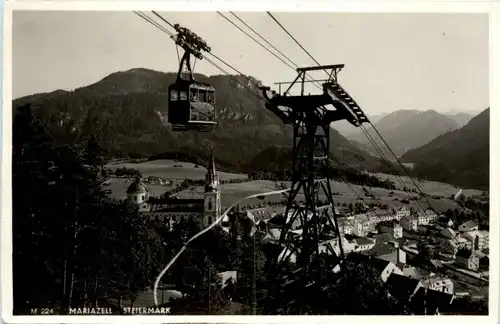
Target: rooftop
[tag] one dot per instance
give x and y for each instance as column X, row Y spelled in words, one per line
column 410, row 218
column 468, row 225
column 402, row 287
column 377, row 264
column 380, row 249
column 363, row 241
column 137, row 187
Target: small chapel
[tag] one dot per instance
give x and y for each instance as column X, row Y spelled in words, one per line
column 204, row 204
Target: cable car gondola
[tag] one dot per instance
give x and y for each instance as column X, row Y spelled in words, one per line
column 191, row 104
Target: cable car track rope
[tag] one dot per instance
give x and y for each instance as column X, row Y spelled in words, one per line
column 365, row 131
column 361, row 126
column 156, row 24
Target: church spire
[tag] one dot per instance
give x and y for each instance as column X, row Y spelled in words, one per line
column 210, row 178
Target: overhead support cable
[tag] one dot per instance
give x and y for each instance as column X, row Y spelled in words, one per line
column 378, row 133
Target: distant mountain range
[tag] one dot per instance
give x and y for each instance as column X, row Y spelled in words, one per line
column 459, row 157
column 347, row 129
column 462, row 118
column 404, row 130
column 127, row 110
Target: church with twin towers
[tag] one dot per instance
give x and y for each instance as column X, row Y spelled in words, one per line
column 201, row 204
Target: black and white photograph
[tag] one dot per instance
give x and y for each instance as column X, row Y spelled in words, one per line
column 169, row 163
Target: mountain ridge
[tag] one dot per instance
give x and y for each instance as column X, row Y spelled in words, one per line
column 127, row 111
column 459, row 157
column 407, row 129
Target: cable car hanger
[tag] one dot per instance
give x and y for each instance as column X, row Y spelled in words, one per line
column 191, row 103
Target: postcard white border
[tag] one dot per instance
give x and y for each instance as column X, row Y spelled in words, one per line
column 491, row 7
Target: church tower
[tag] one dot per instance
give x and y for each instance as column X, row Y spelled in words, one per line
column 212, row 205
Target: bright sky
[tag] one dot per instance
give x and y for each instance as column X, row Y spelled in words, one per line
column 392, row 61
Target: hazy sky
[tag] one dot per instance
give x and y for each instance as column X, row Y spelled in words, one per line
column 392, row 61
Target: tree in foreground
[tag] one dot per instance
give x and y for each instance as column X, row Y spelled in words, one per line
column 72, row 245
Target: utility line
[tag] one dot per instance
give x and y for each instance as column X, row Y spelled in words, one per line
column 296, row 41
column 239, row 28
column 156, row 24
column 249, row 27
column 317, row 84
column 312, row 57
column 148, row 19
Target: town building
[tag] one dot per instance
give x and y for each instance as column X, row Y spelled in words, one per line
column 420, row 300
column 363, row 244
column 426, row 217
column 205, row 206
column 410, row 223
column 449, row 233
column 402, row 212
column 468, row 226
column 392, row 227
column 463, row 243
column 446, row 221
column 439, row 284
column 380, row 215
column 479, row 239
column 389, row 251
column 450, row 246
column 467, row 259
column 383, row 268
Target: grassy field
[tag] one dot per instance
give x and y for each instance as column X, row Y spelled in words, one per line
column 173, row 170
column 344, row 194
column 429, row 187
column 232, row 192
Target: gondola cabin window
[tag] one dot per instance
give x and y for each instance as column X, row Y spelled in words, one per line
column 174, row 95
column 192, row 107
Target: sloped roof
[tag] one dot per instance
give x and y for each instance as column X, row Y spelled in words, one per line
column 469, row 224
column 377, row 264
column 137, row 187
column 448, row 231
column 434, row 300
column 384, row 237
column 410, row 218
column 415, row 273
column 463, row 253
column 363, row 241
column 380, row 249
column 402, row 287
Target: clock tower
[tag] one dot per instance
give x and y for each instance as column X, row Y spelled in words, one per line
column 211, row 197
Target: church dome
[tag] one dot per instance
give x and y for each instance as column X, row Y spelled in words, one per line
column 137, row 187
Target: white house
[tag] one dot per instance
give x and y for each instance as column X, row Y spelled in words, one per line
column 363, row 244
column 479, row 241
column 427, row 217
column 402, row 212
column 439, row 284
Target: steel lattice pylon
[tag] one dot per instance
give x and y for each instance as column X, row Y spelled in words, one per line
column 310, row 117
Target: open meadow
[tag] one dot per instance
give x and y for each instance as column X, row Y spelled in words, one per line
column 171, row 169
column 232, row 192
column 343, row 194
column 429, row 187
